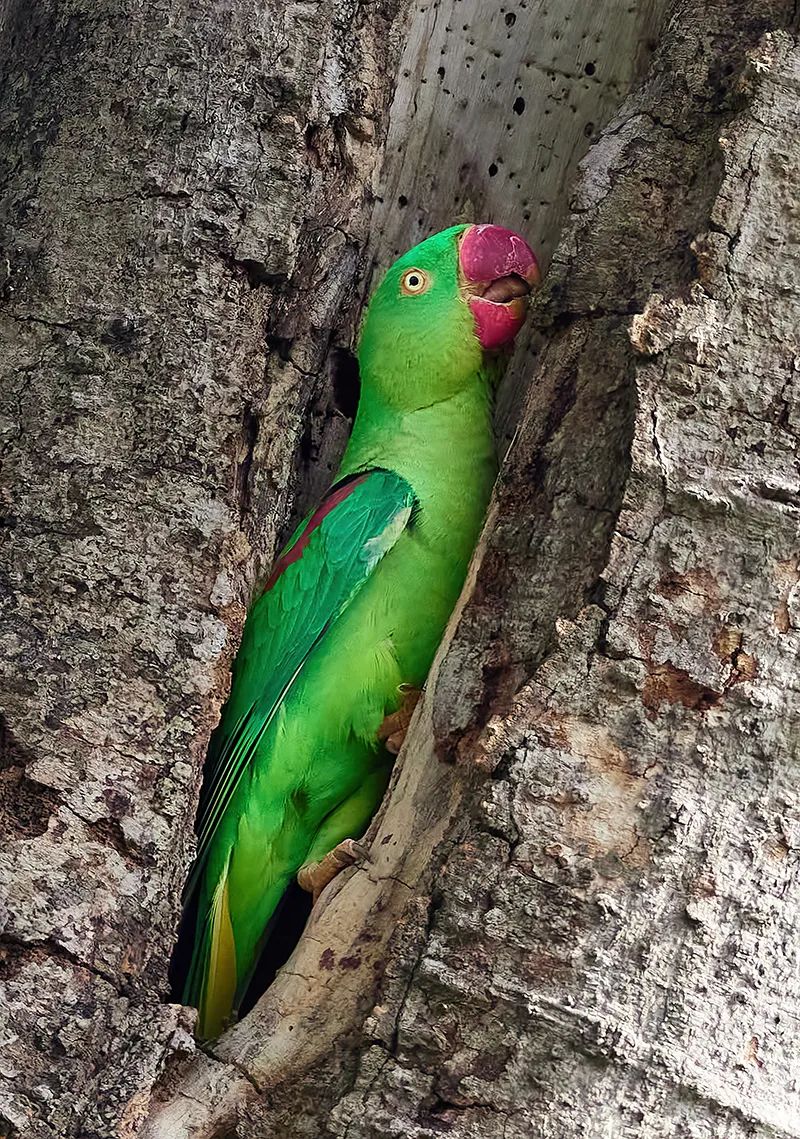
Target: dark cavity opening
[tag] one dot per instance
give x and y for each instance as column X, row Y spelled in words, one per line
column 346, row 381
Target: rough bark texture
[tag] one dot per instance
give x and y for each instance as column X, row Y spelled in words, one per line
column 581, row 914
column 185, row 186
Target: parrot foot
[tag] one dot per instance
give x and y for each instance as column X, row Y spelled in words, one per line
column 394, row 727
column 315, row 876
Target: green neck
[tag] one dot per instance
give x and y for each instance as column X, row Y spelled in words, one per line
column 449, row 441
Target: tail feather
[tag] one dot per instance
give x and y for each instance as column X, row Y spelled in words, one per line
column 212, row 981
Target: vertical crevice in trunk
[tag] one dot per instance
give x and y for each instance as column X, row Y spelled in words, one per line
column 571, row 493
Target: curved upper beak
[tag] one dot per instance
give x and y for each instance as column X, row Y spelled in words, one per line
column 498, row 272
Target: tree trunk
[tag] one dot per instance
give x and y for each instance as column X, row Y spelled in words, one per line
column 580, row 918
column 185, row 203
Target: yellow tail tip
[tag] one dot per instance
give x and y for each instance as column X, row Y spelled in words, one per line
column 220, row 978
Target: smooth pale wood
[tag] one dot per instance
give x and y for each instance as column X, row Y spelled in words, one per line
column 494, row 107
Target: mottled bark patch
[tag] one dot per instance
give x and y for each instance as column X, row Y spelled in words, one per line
column 667, row 684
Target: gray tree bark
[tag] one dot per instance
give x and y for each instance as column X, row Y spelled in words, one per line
column 581, row 914
column 185, row 202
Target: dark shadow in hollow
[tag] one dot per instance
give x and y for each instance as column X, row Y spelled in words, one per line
column 286, row 927
column 346, row 382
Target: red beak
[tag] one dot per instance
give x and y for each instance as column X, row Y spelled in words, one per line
column 498, row 270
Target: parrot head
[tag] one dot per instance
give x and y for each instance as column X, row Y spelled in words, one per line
column 455, row 299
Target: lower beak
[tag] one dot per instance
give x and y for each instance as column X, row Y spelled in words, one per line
column 498, row 272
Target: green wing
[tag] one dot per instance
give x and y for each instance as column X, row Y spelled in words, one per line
column 316, row 577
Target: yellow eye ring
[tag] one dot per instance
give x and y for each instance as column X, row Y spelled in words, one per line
column 414, row 282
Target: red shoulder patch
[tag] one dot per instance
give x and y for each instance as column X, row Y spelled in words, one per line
column 337, row 495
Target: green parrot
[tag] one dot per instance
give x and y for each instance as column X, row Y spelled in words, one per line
column 350, row 618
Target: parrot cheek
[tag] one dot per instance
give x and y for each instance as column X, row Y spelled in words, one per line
column 497, row 324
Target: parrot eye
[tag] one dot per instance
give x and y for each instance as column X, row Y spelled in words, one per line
column 413, row 282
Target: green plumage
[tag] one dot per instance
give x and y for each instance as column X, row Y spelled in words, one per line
column 356, row 607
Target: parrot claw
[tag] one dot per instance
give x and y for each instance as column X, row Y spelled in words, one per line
column 393, row 729
column 315, row 876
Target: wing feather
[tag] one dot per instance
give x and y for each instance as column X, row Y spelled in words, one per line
column 315, row 578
